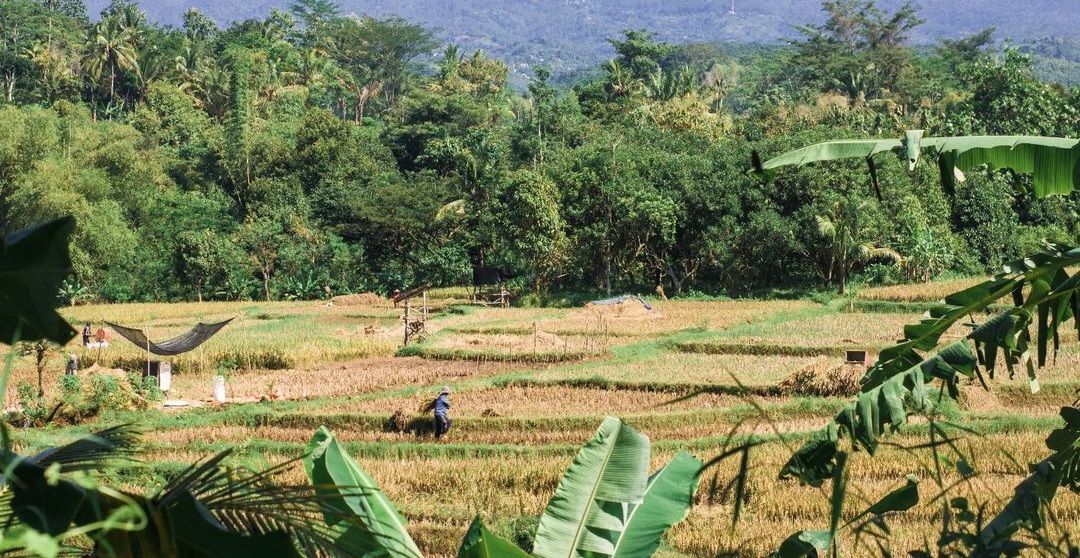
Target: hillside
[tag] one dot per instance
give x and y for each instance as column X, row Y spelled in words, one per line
column 570, row 34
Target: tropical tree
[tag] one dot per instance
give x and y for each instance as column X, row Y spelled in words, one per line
column 110, row 47
column 859, row 50
column 41, row 351
column 843, row 235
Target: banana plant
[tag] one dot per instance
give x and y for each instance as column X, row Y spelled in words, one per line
column 1044, row 295
column 351, row 492
column 605, row 505
column 1054, row 163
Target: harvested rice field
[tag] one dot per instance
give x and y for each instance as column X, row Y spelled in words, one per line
column 701, row 376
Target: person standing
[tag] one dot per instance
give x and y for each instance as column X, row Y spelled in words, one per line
column 442, row 412
column 86, row 333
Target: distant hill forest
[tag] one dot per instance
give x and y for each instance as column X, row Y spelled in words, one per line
column 306, row 152
column 570, row 36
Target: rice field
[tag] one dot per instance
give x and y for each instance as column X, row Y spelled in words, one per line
column 689, row 374
column 933, row 291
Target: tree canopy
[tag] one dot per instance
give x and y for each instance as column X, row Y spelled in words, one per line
column 308, row 152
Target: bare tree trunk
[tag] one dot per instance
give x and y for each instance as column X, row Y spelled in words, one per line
column 9, row 86
column 40, row 371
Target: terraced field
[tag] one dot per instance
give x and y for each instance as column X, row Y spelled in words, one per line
column 693, row 375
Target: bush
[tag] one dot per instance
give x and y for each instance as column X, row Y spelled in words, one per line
column 145, row 387
column 881, row 274
column 70, row 388
column 35, row 410
column 106, row 394
column 983, row 215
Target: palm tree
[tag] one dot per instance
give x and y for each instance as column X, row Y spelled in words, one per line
column 621, row 82
column 665, row 86
column 110, row 47
column 720, row 79
column 843, row 244
column 53, row 66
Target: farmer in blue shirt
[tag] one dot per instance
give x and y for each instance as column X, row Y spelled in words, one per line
column 442, row 412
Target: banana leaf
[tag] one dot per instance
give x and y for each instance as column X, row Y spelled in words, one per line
column 827, row 151
column 351, row 491
column 667, row 501
column 1053, row 163
column 592, row 506
column 481, row 543
column 805, row 544
column 33, row 262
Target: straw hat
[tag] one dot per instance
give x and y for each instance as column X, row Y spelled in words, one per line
column 445, row 389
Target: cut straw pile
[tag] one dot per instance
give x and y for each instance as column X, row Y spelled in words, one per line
column 824, row 378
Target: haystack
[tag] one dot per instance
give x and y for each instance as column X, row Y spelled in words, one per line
column 99, row 370
column 824, row 378
column 974, row 397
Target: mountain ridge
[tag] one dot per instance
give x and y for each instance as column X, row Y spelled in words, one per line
column 570, row 35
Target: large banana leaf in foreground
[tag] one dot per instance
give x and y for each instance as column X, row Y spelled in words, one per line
column 606, row 505
column 1054, row 163
column 354, row 494
column 667, row 501
column 33, row 262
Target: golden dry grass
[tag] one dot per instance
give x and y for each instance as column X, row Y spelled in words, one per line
column 526, row 432
column 440, row 496
column 933, row 291
column 549, row 401
column 339, row 379
column 688, row 368
column 856, row 330
column 629, row 319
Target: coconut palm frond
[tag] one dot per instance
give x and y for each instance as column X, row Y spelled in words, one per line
column 870, row 252
column 455, row 208
column 253, row 504
column 93, row 452
column 826, row 227
column 201, row 473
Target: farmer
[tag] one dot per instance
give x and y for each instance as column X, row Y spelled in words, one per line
column 72, row 365
column 442, row 412
column 86, row 332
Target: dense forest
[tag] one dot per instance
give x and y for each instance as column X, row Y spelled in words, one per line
column 308, row 153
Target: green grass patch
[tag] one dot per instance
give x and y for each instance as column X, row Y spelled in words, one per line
column 758, row 349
